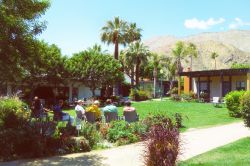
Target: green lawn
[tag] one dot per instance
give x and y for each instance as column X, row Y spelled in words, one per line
column 236, row 153
column 194, row 114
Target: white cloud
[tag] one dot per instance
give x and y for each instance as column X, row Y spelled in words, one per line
column 194, row 23
column 238, row 23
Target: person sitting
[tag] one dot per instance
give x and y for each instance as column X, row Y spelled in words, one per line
column 109, row 107
column 95, row 108
column 60, row 115
column 37, row 108
column 128, row 107
column 79, row 107
column 129, row 112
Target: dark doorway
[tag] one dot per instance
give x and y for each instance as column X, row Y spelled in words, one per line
column 225, row 88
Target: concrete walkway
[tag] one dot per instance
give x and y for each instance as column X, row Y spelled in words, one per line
column 193, row 143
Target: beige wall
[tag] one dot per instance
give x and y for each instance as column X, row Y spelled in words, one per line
column 215, row 86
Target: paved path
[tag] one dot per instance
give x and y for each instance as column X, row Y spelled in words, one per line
column 193, row 143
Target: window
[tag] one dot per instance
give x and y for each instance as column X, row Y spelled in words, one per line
column 240, row 85
column 204, row 87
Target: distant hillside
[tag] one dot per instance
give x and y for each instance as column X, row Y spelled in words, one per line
column 232, row 46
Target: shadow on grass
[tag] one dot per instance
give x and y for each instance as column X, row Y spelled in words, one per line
column 77, row 160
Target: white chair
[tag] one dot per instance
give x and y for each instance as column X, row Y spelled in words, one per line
column 216, row 101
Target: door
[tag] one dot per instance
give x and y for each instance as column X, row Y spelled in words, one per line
column 226, row 88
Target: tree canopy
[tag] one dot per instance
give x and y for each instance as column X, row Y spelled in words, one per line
column 95, row 69
column 18, row 28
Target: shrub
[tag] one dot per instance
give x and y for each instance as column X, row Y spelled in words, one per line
column 12, row 113
column 121, row 133
column 90, row 132
column 139, row 95
column 233, row 103
column 175, row 98
column 34, row 139
column 178, row 120
column 162, row 145
column 186, row 97
column 173, row 91
column 245, row 108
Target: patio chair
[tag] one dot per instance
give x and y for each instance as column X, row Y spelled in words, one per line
column 216, row 101
column 130, row 116
column 90, row 117
column 110, row 116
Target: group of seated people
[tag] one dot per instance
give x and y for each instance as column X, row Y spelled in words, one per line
column 38, row 110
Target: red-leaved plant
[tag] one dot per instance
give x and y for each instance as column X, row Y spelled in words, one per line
column 162, row 144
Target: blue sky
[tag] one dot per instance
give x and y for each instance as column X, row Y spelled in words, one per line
column 75, row 25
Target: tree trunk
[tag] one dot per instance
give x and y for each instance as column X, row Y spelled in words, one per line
column 191, row 63
column 215, row 63
column 132, row 78
column 155, row 79
column 137, row 72
column 116, row 50
column 93, row 92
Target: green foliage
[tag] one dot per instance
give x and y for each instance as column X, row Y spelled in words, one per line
column 173, row 91
column 233, row 103
column 121, row 133
column 245, row 108
column 240, row 66
column 186, row 97
column 95, row 69
column 175, row 97
column 139, row 95
column 12, row 113
column 19, row 26
column 90, row 132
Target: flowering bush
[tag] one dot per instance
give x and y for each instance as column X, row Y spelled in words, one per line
column 245, row 108
column 162, row 145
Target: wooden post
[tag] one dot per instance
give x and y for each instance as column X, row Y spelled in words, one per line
column 248, row 81
column 208, row 86
column 230, row 83
column 198, row 87
column 221, row 85
column 179, row 85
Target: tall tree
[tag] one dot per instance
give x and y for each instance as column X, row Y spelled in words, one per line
column 137, row 53
column 132, row 33
column 179, row 52
column 95, row 69
column 114, row 32
column 18, row 28
column 192, row 52
column 214, row 55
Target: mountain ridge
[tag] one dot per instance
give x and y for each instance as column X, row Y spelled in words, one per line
column 232, row 46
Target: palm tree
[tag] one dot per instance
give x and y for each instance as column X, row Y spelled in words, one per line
column 114, row 32
column 191, row 50
column 156, row 63
column 179, row 53
column 214, row 55
column 136, row 55
column 132, row 33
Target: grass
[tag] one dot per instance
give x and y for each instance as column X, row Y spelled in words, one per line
column 195, row 115
column 236, row 153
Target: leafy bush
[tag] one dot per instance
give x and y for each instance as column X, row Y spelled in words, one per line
column 178, row 120
column 90, row 132
column 162, row 145
column 173, row 91
column 34, row 139
column 12, row 113
column 121, row 133
column 175, row 97
column 186, row 97
column 233, row 103
column 245, row 108
column 139, row 95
